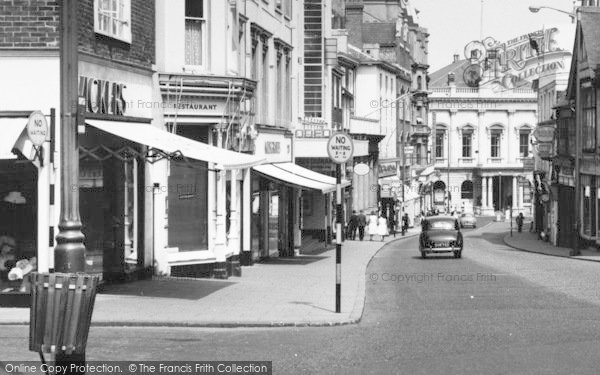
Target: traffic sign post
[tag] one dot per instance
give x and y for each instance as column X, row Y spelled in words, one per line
column 340, row 149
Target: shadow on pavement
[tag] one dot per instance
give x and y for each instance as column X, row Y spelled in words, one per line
column 167, row 288
column 300, row 260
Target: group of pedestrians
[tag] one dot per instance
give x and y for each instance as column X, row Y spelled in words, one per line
column 374, row 225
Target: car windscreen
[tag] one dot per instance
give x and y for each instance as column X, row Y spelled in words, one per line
column 442, row 224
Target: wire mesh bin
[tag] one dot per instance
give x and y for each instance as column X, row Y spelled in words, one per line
column 61, row 312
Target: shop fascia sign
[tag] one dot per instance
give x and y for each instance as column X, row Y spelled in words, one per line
column 103, row 96
column 313, row 127
column 515, row 60
column 387, row 169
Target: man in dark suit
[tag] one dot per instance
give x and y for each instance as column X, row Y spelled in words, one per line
column 361, row 222
column 352, row 224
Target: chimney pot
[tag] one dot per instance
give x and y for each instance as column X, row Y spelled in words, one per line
column 456, row 57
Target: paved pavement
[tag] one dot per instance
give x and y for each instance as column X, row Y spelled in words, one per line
column 297, row 291
column 527, row 241
column 497, row 310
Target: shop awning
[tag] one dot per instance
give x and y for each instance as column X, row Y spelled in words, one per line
column 10, row 130
column 293, row 174
column 154, row 137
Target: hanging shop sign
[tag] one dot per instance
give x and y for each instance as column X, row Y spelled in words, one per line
column 545, row 150
column 544, row 133
column 37, row 128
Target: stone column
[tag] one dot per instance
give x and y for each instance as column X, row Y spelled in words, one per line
column 491, row 192
column 484, row 190
column 520, row 203
column 515, row 193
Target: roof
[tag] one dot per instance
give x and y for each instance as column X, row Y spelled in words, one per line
column 439, row 78
column 590, row 27
column 377, row 32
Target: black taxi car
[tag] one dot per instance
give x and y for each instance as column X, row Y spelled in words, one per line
column 440, row 234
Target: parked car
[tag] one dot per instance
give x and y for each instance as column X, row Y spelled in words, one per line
column 468, row 220
column 441, row 234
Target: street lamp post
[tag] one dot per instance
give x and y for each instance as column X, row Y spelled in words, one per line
column 535, row 9
column 69, row 254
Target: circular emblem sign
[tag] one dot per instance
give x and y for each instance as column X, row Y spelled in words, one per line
column 340, row 148
column 362, row 169
column 37, row 128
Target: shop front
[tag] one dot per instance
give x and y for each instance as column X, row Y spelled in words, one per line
column 565, row 214
column 112, row 171
column 25, row 197
column 207, row 205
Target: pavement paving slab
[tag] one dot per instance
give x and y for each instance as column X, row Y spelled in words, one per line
column 529, row 241
column 280, row 292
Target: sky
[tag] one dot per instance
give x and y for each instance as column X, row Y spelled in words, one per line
column 454, row 23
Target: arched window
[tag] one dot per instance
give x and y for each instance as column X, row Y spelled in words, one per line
column 466, row 189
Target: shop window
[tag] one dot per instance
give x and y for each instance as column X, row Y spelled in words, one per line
column 195, row 34
column 112, row 18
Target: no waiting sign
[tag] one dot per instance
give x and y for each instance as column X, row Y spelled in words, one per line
column 340, row 148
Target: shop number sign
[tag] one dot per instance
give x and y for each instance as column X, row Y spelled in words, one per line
column 340, row 148
column 37, row 128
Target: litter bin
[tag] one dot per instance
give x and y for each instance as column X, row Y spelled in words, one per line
column 61, row 312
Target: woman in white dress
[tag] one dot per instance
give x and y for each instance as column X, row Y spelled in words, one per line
column 382, row 227
column 372, row 225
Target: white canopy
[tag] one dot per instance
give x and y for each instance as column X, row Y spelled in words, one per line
column 161, row 139
column 296, row 175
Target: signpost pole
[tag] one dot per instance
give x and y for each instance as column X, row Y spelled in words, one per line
column 338, row 238
column 340, row 148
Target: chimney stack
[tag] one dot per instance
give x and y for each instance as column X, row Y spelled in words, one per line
column 451, row 79
column 456, row 57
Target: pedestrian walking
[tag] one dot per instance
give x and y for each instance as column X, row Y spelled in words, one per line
column 361, row 223
column 352, row 225
column 519, row 219
column 382, row 227
column 372, row 225
column 392, row 223
column 404, row 224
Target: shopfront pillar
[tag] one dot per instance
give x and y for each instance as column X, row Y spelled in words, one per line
column 212, row 198
column 246, row 258
column 233, row 243
column 484, row 190
column 43, row 212
column 515, row 194
column 220, row 249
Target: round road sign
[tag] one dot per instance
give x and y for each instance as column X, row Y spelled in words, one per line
column 340, row 148
column 37, row 128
